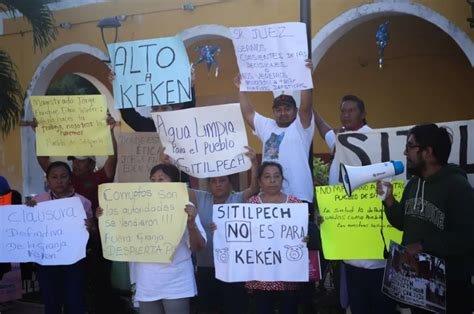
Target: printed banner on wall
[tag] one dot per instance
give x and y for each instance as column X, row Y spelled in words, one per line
column 50, row 233
column 382, row 145
column 272, row 57
column 137, row 153
column 205, row 142
column 351, row 227
column 72, row 126
column 419, row 281
column 150, row 72
column 142, row 222
column 261, row 242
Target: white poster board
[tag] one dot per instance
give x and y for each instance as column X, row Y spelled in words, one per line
column 261, row 242
column 205, row 142
column 51, row 233
column 382, row 145
column 272, row 57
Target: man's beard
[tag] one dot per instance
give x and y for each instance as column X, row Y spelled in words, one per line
column 416, row 170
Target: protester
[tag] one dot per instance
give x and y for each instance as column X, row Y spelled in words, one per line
column 86, row 180
column 213, row 293
column 14, row 198
column 436, row 211
column 167, row 288
column 286, row 138
column 361, row 279
column 62, row 286
column 270, row 179
column 353, row 118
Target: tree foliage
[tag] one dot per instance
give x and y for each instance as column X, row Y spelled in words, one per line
column 41, row 19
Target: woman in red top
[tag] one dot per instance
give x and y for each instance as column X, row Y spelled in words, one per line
column 270, row 178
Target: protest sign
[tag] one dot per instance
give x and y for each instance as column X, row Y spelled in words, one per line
column 51, row 233
column 351, row 227
column 6, row 199
column 418, row 281
column 381, row 145
column 272, row 57
column 72, row 126
column 205, row 142
column 150, row 72
column 261, row 242
column 137, row 153
column 10, row 285
column 142, row 222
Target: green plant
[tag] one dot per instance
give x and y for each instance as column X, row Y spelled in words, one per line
column 320, row 171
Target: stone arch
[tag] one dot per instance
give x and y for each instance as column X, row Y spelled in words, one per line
column 32, row 173
column 335, row 29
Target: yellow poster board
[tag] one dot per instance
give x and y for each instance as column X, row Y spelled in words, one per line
column 142, row 222
column 72, row 125
column 351, row 227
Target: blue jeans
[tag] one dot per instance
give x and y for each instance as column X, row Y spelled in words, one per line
column 63, row 286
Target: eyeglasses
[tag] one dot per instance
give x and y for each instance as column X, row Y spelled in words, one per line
column 410, row 146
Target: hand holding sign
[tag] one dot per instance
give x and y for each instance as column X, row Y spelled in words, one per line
column 271, row 57
column 204, row 142
column 71, row 125
column 150, row 72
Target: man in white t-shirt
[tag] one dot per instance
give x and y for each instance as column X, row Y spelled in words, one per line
column 364, row 277
column 286, row 139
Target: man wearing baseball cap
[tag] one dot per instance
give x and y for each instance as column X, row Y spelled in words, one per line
column 286, row 138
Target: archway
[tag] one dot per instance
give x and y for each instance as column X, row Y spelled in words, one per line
column 44, row 74
column 332, row 31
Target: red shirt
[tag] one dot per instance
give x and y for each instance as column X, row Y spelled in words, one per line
column 88, row 186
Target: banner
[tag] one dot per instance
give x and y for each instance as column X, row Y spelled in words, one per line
column 51, row 233
column 261, row 242
column 72, row 126
column 137, row 153
column 351, row 227
column 272, row 57
column 205, row 142
column 150, row 72
column 142, row 222
column 418, row 281
column 382, row 145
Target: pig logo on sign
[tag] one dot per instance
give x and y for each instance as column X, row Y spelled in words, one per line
column 294, row 252
column 222, row 255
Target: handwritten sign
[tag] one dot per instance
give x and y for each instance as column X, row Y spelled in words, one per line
column 51, row 233
column 137, row 153
column 72, row 126
column 6, row 199
column 261, row 242
column 272, row 57
column 351, row 227
column 418, row 281
column 142, row 222
column 382, row 145
column 150, row 72
column 205, row 142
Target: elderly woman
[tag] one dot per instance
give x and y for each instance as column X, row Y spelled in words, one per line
column 270, row 178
